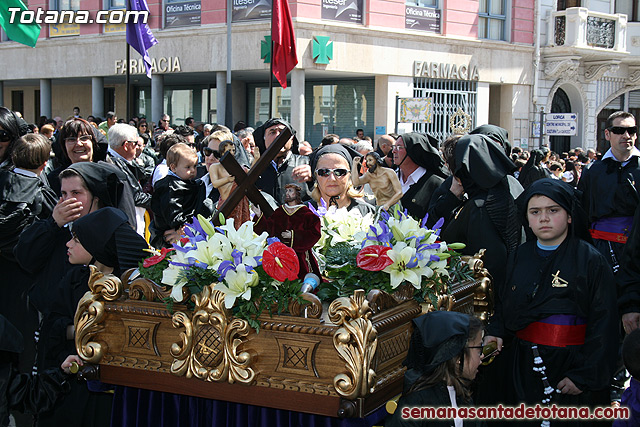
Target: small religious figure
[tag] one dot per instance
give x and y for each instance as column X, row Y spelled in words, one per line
column 296, row 226
column 383, row 181
column 225, row 183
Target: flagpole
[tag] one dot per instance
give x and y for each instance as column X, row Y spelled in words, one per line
column 228, row 106
column 271, row 67
column 127, row 79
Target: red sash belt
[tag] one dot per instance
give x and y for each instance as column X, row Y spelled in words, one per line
column 606, row 235
column 553, row 335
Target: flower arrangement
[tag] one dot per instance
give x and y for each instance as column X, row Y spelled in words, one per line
column 254, row 272
column 393, row 250
column 258, row 273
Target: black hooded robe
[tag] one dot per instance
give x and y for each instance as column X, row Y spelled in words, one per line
column 530, row 296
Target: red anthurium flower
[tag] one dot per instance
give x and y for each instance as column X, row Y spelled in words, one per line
column 373, row 258
column 184, row 240
column 156, row 258
column 280, row 262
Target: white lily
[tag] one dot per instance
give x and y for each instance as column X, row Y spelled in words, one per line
column 401, row 255
column 237, row 283
column 172, row 276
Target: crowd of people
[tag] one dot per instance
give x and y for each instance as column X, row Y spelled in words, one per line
column 561, row 234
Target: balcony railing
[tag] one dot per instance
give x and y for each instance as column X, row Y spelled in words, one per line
column 579, row 27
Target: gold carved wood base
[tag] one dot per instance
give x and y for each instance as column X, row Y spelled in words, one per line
column 342, row 359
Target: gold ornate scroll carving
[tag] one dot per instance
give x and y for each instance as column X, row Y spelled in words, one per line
column 209, row 346
column 90, row 313
column 355, row 340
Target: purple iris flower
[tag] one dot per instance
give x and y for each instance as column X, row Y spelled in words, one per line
column 224, row 267
column 413, row 263
column 438, row 225
column 435, row 258
column 271, row 240
column 321, row 211
column 237, row 256
column 424, row 221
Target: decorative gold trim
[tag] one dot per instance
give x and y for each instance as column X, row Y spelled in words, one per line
column 312, row 310
column 355, row 340
column 90, row 313
column 209, row 347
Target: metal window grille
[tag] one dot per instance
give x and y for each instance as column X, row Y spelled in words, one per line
column 448, row 96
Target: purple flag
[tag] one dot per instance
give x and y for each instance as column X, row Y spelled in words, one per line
column 139, row 35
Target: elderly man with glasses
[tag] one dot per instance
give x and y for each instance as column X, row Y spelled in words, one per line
column 123, row 146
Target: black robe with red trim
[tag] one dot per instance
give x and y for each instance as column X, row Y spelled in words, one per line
column 529, row 295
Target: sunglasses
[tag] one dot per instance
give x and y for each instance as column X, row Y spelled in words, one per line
column 208, row 151
column 5, row 136
column 620, row 130
column 338, row 173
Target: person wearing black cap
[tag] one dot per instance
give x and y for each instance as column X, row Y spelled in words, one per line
column 420, row 169
column 448, row 197
column 105, row 239
column 556, row 313
column 488, row 218
column 443, row 358
column 534, row 169
column 289, row 167
column 331, row 167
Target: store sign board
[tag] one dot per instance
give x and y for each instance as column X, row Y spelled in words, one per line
column 160, row 65
column 445, row 70
column 182, row 14
column 342, row 10
column 422, row 18
column 63, row 30
column 247, row 10
column 560, row 124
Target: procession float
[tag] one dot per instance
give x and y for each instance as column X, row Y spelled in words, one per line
column 223, row 314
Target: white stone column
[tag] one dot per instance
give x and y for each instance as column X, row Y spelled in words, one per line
column 221, row 96
column 45, row 97
column 157, row 97
column 297, row 101
column 97, row 96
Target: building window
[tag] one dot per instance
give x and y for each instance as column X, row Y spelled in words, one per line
column 447, row 96
column 492, row 19
column 566, row 4
column 423, row 3
column 629, row 8
column 68, row 5
column 116, row 4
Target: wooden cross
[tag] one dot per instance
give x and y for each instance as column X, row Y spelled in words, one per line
column 246, row 182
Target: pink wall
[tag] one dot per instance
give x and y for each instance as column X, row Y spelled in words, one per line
column 460, row 18
column 522, row 24
column 386, row 13
column 213, row 12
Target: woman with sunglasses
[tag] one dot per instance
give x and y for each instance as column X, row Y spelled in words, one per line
column 331, row 168
column 79, row 142
column 12, row 127
column 443, row 359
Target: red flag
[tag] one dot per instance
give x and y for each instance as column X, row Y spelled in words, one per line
column 284, row 57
